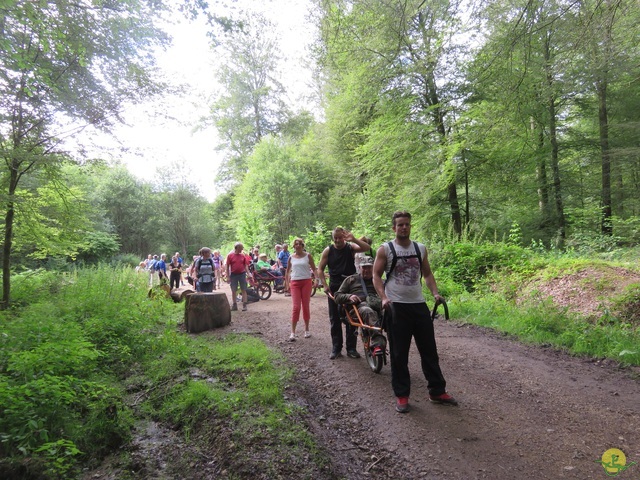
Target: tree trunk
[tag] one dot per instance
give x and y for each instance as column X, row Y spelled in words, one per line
column 555, row 168
column 8, row 241
column 553, row 139
column 452, row 189
column 541, row 176
column 179, row 295
column 467, row 197
column 603, row 120
column 206, row 311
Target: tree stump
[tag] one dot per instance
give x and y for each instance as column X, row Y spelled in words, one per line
column 206, row 311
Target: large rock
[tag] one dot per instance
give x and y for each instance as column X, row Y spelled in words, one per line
column 206, row 311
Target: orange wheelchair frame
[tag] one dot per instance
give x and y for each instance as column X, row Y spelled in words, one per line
column 376, row 357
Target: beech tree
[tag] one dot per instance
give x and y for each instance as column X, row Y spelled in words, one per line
column 391, row 67
column 608, row 44
column 251, row 102
column 65, row 64
column 274, row 201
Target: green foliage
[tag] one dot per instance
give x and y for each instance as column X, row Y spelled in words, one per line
column 98, row 246
column 124, row 260
column 60, row 357
column 627, row 230
column 589, row 243
column 542, row 323
column 64, row 65
column 273, row 201
column 252, row 105
column 468, row 263
column 234, row 375
column 31, row 286
column 130, row 209
column 316, row 240
column 59, row 455
column 626, row 307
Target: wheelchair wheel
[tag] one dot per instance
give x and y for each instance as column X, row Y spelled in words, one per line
column 264, row 290
column 375, row 361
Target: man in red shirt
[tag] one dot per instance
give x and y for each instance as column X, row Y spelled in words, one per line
column 237, row 270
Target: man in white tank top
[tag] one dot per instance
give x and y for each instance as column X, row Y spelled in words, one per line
column 402, row 293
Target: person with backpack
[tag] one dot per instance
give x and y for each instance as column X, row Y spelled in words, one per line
column 404, row 262
column 218, row 263
column 205, row 271
column 161, row 268
column 151, row 268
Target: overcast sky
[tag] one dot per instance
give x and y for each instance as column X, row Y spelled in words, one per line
column 161, row 133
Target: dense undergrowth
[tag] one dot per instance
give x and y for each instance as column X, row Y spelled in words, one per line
column 84, row 355
column 493, row 284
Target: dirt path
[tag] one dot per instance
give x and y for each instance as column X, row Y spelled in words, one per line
column 525, row 412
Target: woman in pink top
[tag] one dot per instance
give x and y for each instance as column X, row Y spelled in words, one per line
column 299, row 277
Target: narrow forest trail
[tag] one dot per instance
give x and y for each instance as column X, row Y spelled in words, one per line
column 525, row 411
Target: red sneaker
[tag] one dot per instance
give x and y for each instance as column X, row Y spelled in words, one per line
column 444, row 399
column 402, row 404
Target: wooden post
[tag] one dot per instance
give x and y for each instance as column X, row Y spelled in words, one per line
column 206, row 311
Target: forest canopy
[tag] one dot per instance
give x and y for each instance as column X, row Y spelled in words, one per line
column 482, row 119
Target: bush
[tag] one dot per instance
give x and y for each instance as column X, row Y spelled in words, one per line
column 60, row 358
column 469, row 263
column 125, row 260
column 627, row 305
column 34, row 285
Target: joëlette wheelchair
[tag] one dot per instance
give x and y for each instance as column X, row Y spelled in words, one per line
column 373, row 338
column 375, row 352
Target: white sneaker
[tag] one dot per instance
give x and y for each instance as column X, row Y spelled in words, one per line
column 292, row 337
column 307, row 334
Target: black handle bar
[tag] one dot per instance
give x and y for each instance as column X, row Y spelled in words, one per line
column 442, row 302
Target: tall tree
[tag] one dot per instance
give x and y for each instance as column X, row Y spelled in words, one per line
column 609, row 50
column 251, row 103
column 390, row 67
column 183, row 219
column 65, row 60
column 521, row 94
column 130, row 209
column 274, row 200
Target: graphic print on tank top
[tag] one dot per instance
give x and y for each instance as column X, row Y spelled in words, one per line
column 407, row 271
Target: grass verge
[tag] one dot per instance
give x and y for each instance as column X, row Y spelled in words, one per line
column 81, row 364
column 544, row 323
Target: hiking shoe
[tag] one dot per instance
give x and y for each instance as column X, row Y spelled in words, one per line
column 335, row 354
column 444, row 399
column 244, row 308
column 402, row 404
column 234, row 307
column 353, row 354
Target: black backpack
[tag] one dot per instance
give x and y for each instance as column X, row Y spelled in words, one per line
column 394, row 259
